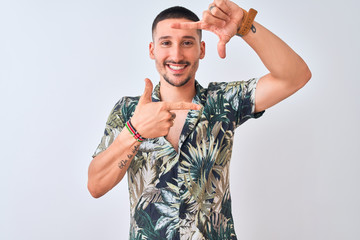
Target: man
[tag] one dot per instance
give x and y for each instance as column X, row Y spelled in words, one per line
column 175, row 141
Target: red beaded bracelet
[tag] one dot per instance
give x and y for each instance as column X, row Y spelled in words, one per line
column 133, row 131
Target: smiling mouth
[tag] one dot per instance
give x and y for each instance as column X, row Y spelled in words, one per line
column 177, row 66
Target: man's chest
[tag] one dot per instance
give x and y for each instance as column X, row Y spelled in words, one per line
column 175, row 131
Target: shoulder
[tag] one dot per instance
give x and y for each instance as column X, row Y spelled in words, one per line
column 123, row 110
column 126, row 101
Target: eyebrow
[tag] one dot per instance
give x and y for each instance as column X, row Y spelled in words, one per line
column 168, row 37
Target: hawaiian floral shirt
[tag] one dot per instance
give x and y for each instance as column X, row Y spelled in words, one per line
column 185, row 194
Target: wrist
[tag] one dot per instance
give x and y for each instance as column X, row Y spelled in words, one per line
column 246, row 22
column 243, row 14
column 132, row 130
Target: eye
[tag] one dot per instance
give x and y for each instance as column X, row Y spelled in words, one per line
column 188, row 43
column 165, row 43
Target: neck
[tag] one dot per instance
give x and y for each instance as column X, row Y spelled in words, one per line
column 184, row 93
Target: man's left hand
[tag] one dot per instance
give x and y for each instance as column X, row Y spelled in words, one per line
column 223, row 17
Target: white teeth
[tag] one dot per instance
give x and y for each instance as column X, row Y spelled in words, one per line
column 176, row 67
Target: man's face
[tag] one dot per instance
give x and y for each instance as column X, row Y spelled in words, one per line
column 176, row 52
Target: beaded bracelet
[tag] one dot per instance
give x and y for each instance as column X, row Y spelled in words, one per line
column 247, row 22
column 133, row 131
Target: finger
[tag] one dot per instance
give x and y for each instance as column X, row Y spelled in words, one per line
column 188, row 25
column 210, row 20
column 223, row 6
column 172, row 122
column 173, row 115
column 221, row 47
column 146, row 97
column 223, row 40
column 218, row 13
column 182, row 106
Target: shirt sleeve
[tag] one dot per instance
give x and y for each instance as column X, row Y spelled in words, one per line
column 115, row 123
column 242, row 99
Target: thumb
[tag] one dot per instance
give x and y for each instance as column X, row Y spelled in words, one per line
column 146, row 97
column 223, row 40
column 221, row 47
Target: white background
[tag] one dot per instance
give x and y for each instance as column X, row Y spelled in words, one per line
column 64, row 64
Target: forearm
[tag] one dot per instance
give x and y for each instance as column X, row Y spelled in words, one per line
column 108, row 168
column 283, row 63
column 152, row 119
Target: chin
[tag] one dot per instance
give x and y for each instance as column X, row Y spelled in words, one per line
column 177, row 83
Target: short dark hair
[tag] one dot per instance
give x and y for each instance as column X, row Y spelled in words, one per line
column 175, row 12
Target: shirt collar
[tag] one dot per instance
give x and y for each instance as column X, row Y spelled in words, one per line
column 193, row 115
column 199, row 98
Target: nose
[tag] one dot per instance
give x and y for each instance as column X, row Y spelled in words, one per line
column 177, row 53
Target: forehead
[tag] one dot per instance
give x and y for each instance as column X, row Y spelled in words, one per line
column 163, row 28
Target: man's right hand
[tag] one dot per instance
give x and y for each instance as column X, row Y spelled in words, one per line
column 223, row 17
column 154, row 119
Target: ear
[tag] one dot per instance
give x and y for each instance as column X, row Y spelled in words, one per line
column 202, row 49
column 151, row 50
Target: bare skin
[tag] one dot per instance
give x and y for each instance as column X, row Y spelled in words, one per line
column 287, row 71
column 177, row 49
column 151, row 120
column 175, row 131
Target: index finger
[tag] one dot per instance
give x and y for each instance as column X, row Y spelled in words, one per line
column 188, row 25
column 182, row 106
